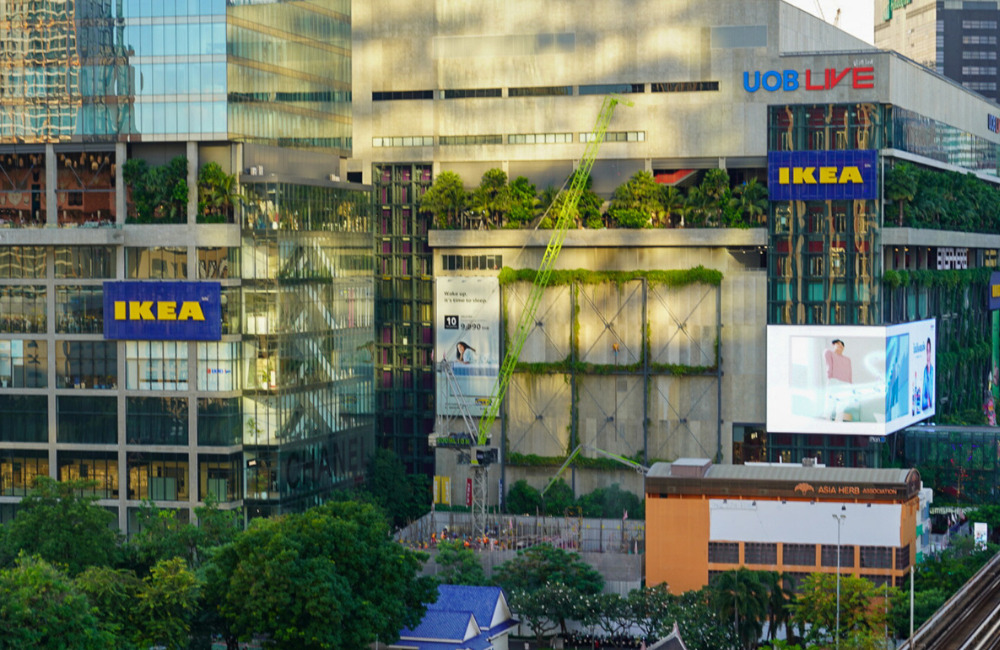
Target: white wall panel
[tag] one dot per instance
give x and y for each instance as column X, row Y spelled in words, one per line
column 798, row 522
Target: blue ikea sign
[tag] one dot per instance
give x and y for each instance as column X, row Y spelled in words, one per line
column 163, row 311
column 822, row 175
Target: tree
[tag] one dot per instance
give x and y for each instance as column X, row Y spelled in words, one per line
column 330, row 577
column 446, row 199
column 674, row 205
column 492, row 199
column 741, row 596
column 558, row 499
column 404, row 497
column 859, row 615
column 61, row 526
column 611, row 503
column 549, row 583
column 636, row 203
column 647, row 607
column 158, row 193
column 459, row 565
column 588, row 207
column 166, row 605
column 112, row 594
column 700, row 624
column 40, row 607
column 522, row 499
column 161, row 535
column 900, row 186
column 751, row 197
column 778, row 602
column 216, row 194
column 524, row 201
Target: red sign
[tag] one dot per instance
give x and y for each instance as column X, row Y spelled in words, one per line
column 771, row 80
column 468, row 492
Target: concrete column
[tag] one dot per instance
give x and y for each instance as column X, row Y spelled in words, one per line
column 51, row 180
column 121, row 192
column 192, row 181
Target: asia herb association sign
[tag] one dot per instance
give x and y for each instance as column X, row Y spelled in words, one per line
column 163, row 311
column 822, row 175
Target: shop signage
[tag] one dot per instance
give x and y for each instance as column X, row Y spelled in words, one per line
column 892, row 5
column 952, row 258
column 822, row 175
column 858, row 78
column 163, row 311
column 995, row 290
column 993, row 123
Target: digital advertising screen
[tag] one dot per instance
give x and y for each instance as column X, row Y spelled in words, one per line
column 849, row 380
column 468, row 335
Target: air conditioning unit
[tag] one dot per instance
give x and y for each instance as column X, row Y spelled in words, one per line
column 335, row 178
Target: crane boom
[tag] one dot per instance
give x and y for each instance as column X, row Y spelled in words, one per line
column 527, row 320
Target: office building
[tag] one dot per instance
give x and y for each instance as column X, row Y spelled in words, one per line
column 956, row 39
column 186, row 291
column 794, row 520
column 633, row 364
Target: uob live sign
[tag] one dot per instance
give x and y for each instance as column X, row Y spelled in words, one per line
column 822, row 175
column 163, row 311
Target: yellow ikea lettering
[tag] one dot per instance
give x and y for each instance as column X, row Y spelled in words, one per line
column 164, row 310
column 825, row 175
column 996, row 290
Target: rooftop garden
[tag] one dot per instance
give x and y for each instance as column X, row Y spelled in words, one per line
column 940, row 200
column 640, row 202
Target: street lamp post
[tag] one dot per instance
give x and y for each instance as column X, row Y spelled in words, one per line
column 836, row 633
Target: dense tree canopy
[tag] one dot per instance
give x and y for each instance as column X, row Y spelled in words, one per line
column 330, row 577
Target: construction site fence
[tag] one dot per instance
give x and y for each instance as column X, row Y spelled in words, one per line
column 516, row 532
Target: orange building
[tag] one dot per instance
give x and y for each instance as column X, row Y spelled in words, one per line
column 703, row 518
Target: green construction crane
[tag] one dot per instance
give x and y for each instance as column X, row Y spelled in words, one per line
column 482, row 456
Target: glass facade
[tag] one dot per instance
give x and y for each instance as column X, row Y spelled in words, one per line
column 404, row 303
column 91, row 71
column 307, row 344
column 824, row 262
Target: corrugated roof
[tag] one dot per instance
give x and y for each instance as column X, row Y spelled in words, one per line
column 481, row 601
column 791, row 473
column 438, row 624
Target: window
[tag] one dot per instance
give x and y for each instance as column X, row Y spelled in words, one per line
column 87, row 364
column 540, row 138
column 87, row 420
column 757, row 553
column 979, row 24
column 540, row 91
column 22, row 309
column 19, row 469
column 80, row 310
column 219, row 422
column 466, row 93
column 22, row 262
column 404, row 141
column 979, row 70
column 389, row 96
column 608, row 89
column 450, row 140
column 877, row 580
column 85, row 262
column 160, row 477
column 793, row 580
column 472, row 262
column 876, row 557
column 156, row 365
column 220, row 476
column 683, row 86
column 829, row 555
column 101, row 467
column 217, row 366
column 156, row 421
column 25, row 418
column 159, row 263
column 978, row 40
column 974, row 55
column 219, row 262
column 724, row 552
column 23, row 364
column 798, row 554
column 617, row 136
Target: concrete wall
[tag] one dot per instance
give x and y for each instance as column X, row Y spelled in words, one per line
column 681, row 413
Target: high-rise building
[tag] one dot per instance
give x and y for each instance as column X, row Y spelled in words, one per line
column 956, row 39
column 186, row 288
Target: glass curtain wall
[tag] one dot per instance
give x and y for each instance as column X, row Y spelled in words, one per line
column 307, row 344
column 824, row 264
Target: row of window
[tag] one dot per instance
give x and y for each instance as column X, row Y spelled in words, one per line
column 980, row 85
column 979, row 70
column 977, row 55
column 98, row 262
column 978, row 40
column 979, row 24
column 549, row 91
column 517, row 138
column 93, row 420
column 831, row 555
column 472, row 262
column 163, row 477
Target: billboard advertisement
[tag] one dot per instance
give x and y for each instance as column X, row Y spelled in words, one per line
column 163, row 311
column 822, row 175
column 468, row 336
column 850, row 380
